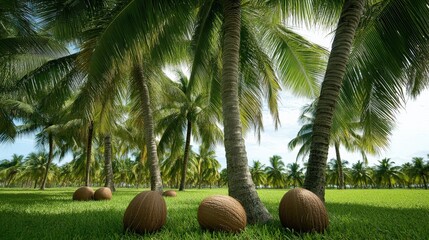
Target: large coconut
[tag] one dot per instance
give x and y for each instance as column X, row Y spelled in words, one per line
column 146, row 213
column 222, row 213
column 103, row 193
column 83, row 194
column 169, row 193
column 301, row 210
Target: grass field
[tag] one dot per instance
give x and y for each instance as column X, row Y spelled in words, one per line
column 354, row 214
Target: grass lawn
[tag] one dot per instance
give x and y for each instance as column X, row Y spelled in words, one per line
column 354, row 214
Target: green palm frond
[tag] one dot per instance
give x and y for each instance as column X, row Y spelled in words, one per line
column 300, row 64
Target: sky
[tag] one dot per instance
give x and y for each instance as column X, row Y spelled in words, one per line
column 409, row 139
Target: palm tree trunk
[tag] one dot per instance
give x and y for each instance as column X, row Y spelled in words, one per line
column 155, row 173
column 315, row 176
column 424, row 182
column 240, row 184
column 48, row 164
column 108, row 169
column 339, row 165
column 88, row 153
column 186, row 156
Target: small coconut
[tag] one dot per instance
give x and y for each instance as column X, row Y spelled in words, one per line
column 103, row 193
column 222, row 213
column 302, row 211
column 169, row 193
column 146, row 213
column 83, row 194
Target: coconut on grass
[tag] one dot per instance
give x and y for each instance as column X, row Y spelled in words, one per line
column 83, row 194
column 146, row 213
column 302, row 211
column 222, row 213
column 103, row 193
column 169, row 193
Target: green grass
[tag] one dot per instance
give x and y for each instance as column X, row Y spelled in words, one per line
column 354, row 214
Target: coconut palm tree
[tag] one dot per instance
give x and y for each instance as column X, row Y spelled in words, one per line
column 35, row 166
column 262, row 46
column 334, row 174
column 190, row 112
column 258, row 173
column 295, row 174
column 420, row 170
column 386, row 173
column 10, row 169
column 360, row 174
column 365, row 87
column 275, row 172
column 205, row 166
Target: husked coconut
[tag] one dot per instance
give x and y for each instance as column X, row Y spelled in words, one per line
column 302, row 211
column 83, row 194
column 146, row 213
column 169, row 193
column 222, row 213
column 103, row 193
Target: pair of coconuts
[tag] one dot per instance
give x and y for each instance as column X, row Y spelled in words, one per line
column 299, row 209
column 147, row 213
column 87, row 194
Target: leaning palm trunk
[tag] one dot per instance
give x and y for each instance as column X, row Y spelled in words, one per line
column 329, row 95
column 186, row 156
column 340, row 166
column 240, row 184
column 108, row 170
column 155, row 173
column 48, row 164
column 88, row 153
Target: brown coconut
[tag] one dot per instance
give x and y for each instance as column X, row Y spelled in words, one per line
column 103, row 193
column 302, row 211
column 146, row 213
column 83, row 194
column 169, row 193
column 222, row 213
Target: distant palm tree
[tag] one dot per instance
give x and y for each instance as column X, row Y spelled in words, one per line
column 205, row 166
column 420, row 170
column 275, row 172
column 258, row 173
column 360, row 174
column 334, row 174
column 295, row 174
column 386, row 173
column 11, row 168
column 35, row 166
column 189, row 112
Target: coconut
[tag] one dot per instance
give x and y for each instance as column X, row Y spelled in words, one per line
column 169, row 193
column 103, row 193
column 302, row 211
column 146, row 213
column 83, row 194
column 222, row 213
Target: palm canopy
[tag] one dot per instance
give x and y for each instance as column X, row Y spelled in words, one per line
column 388, row 61
column 270, row 55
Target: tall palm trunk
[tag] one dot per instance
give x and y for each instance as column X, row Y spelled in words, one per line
column 240, row 184
column 339, row 166
column 108, row 170
column 155, row 173
column 88, row 153
column 48, row 164
column 186, row 156
column 350, row 16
